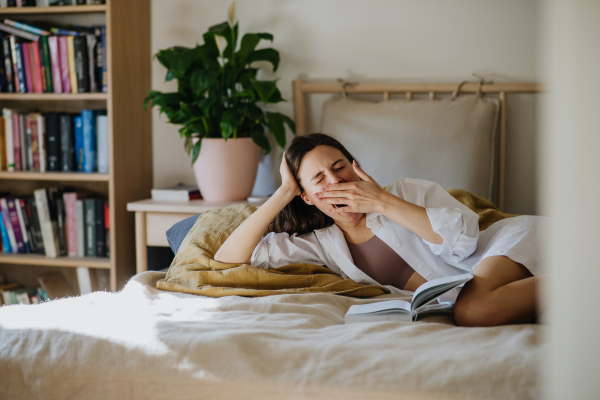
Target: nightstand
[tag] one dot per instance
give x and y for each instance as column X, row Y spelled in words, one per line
column 153, row 218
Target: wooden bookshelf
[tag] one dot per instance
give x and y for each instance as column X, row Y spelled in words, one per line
column 54, row 10
column 129, row 129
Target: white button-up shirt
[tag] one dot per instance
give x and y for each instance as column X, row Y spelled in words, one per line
column 453, row 221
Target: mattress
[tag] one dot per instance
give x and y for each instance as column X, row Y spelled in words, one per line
column 143, row 343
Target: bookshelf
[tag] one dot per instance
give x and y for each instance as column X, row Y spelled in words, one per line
column 129, row 135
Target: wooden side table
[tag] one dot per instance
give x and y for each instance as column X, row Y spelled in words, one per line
column 153, row 218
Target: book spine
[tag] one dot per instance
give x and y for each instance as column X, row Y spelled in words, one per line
column 53, row 148
column 41, row 129
column 25, row 143
column 64, row 64
column 99, row 226
column 60, row 223
column 8, row 65
column 40, row 54
column 8, row 225
column 10, row 151
column 82, row 67
column 104, row 71
column 78, row 122
column 72, row 67
column 80, row 228
column 89, row 141
column 107, row 228
column 67, row 139
column 46, row 59
column 43, row 210
column 90, row 229
column 70, row 200
column 55, row 61
column 4, row 233
column 37, row 67
column 35, row 229
column 22, row 225
column 16, row 227
column 27, row 28
column 91, row 45
column 18, row 32
column 3, row 155
column 35, row 144
column 27, row 67
column 15, row 50
column 102, row 139
column 16, row 135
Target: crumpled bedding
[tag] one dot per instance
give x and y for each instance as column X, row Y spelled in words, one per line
column 144, row 343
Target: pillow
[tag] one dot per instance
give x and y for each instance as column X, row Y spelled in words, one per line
column 178, row 232
column 450, row 142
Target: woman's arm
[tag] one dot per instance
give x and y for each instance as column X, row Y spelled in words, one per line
column 241, row 243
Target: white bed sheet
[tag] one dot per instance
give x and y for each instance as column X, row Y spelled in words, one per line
column 142, row 343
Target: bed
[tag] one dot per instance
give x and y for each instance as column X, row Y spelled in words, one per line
column 144, row 343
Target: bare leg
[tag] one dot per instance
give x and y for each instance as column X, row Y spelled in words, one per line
column 501, row 292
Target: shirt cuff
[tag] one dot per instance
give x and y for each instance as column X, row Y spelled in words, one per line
column 260, row 255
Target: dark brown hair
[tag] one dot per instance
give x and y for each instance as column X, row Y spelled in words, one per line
column 299, row 217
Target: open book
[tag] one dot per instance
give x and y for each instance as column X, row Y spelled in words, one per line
column 400, row 310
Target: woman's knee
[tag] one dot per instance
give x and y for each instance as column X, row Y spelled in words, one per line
column 474, row 311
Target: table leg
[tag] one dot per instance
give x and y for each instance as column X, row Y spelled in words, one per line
column 140, row 242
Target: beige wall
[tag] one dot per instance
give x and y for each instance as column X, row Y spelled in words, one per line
column 374, row 40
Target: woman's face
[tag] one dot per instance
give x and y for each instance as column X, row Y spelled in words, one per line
column 321, row 167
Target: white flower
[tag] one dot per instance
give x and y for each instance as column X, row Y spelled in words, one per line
column 231, row 13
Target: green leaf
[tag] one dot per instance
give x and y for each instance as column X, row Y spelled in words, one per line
column 264, row 88
column 230, row 121
column 181, row 62
column 202, row 79
column 265, row 36
column 196, row 150
column 269, row 54
column 166, row 56
column 252, row 111
column 170, row 76
column 275, row 97
column 258, row 136
column 161, row 100
column 290, row 123
column 231, row 35
column 276, row 127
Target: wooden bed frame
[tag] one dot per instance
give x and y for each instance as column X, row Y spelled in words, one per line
column 301, row 88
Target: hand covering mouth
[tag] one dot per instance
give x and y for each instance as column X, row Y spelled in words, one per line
column 340, row 205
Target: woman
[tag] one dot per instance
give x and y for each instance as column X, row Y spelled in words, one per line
column 328, row 211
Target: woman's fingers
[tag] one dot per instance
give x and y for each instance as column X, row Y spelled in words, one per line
column 362, row 174
column 334, row 200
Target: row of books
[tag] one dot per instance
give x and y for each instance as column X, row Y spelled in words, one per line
column 53, row 286
column 55, row 222
column 54, row 141
column 47, row 3
column 37, row 61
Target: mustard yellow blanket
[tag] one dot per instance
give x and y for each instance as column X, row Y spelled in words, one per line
column 194, row 271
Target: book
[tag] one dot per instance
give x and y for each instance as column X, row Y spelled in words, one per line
column 99, row 226
column 3, row 153
column 102, row 143
column 13, row 218
column 27, row 28
column 25, row 142
column 179, row 192
column 400, row 310
column 72, row 66
column 17, row 52
column 8, row 226
column 6, row 243
column 34, row 227
column 70, row 201
column 38, row 83
column 27, row 67
column 67, row 143
column 39, row 128
column 65, row 74
column 80, row 229
column 55, row 285
column 8, row 135
column 19, row 32
column 45, row 58
column 106, row 228
column 48, row 225
column 55, row 62
column 104, row 64
column 57, row 204
column 82, row 67
column 53, row 145
column 89, row 141
column 89, row 210
column 23, row 224
column 32, row 132
column 91, row 45
column 8, row 65
column 86, row 280
column 78, row 123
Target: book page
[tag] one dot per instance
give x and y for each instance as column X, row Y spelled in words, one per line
column 380, row 307
column 433, row 289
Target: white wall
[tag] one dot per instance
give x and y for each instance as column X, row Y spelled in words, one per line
column 374, row 40
column 570, row 174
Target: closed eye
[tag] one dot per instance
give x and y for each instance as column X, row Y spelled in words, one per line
column 337, row 169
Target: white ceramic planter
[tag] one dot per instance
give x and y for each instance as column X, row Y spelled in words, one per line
column 226, row 170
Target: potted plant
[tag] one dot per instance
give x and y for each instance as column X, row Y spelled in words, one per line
column 219, row 105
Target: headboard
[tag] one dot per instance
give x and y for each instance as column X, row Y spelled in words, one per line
column 301, row 88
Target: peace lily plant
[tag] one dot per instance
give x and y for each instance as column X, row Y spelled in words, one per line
column 218, row 94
